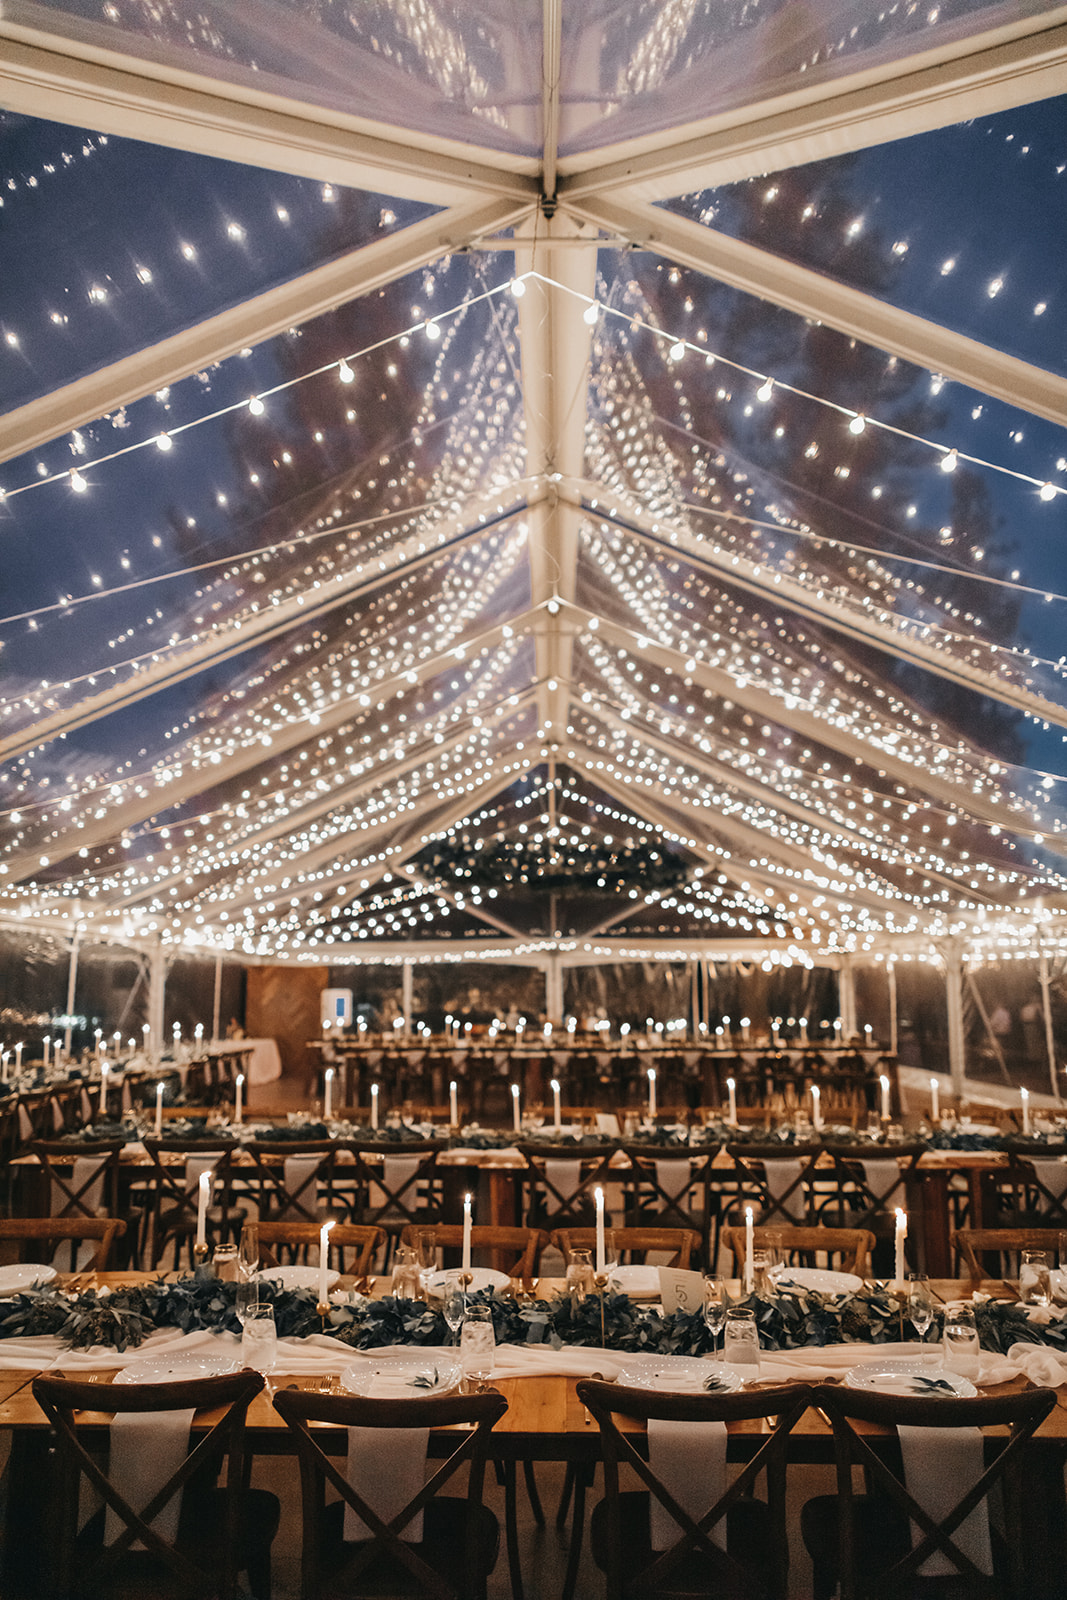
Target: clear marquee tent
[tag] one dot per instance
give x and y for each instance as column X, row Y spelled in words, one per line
column 579, row 486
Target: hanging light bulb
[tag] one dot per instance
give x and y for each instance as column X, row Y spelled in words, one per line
column 518, row 288
column 164, row 442
column 345, row 373
column 765, row 391
column 858, row 423
column 255, row 405
column 77, row 482
column 591, row 312
column 1047, row 491
column 950, row 461
column 677, row 350
column 433, row 330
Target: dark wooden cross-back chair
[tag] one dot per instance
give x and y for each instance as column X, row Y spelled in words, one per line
column 654, row 1200
column 294, row 1180
column 862, row 1543
column 522, row 1246
column 396, row 1185
column 754, row 1562
column 787, row 1203
column 548, row 1202
column 220, row 1531
column 352, row 1247
column 1033, row 1192
column 634, row 1245
column 82, row 1177
column 86, row 1241
column 173, row 1194
column 845, row 1249
column 460, row 1536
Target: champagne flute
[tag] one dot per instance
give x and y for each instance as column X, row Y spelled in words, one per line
column 455, row 1304
column 716, row 1301
column 920, row 1305
column 247, row 1268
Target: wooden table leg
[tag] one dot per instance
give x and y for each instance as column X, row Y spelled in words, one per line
column 583, row 1479
column 934, row 1190
column 511, row 1528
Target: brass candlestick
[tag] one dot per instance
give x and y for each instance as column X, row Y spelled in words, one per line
column 600, row 1283
column 322, row 1310
column 200, row 1251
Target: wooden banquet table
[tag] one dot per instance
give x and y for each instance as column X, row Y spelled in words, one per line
column 544, row 1421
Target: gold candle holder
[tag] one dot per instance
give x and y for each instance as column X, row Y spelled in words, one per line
column 600, row 1283
column 322, row 1309
column 200, row 1253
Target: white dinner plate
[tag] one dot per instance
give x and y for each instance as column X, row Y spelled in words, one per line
column 679, row 1375
column 821, row 1282
column 176, row 1369
column 403, row 1376
column 637, row 1282
column 30, row 1275
column 910, row 1375
column 297, row 1277
column 481, row 1278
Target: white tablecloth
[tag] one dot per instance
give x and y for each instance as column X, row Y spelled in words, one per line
column 264, row 1064
column 322, row 1354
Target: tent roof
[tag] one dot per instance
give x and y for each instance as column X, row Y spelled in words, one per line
column 579, row 479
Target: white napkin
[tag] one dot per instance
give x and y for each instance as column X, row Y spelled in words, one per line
column 564, row 1176
column 195, row 1166
column 689, row 1458
column 673, row 1178
column 25, row 1123
column 84, row 1169
column 297, row 1179
column 146, row 1449
column 1052, row 1175
column 880, row 1176
column 386, row 1466
column 940, row 1465
column 780, row 1175
column 607, row 1122
column 396, row 1171
column 86, row 1106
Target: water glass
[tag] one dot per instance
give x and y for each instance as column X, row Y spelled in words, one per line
column 224, row 1262
column 259, row 1341
column 716, row 1302
column 960, row 1343
column 579, row 1279
column 1035, row 1287
column 405, row 1284
column 477, row 1345
column 740, row 1340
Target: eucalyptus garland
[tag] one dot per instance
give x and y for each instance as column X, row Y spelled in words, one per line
column 122, row 1319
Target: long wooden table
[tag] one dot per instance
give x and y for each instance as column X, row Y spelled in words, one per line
column 544, row 1422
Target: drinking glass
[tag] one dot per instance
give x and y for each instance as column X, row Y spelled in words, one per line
column 259, row 1341
column 426, row 1256
column 224, row 1262
column 960, row 1343
column 247, row 1268
column 405, row 1284
column 716, row 1302
column 455, row 1303
column 477, row 1346
column 740, row 1342
column 920, row 1304
column 579, row 1279
column 1035, row 1288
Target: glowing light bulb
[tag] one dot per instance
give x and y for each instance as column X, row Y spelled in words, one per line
column 591, row 313
column 255, row 405
column 677, row 350
column 950, row 461
column 1047, row 491
column 78, row 483
column 433, row 330
column 164, row 441
column 765, row 391
column 345, row 373
column 518, row 288
column 858, row 424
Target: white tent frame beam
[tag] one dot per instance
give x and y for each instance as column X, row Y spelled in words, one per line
column 991, row 71
column 252, row 629
column 251, row 322
column 44, row 74
column 762, row 703
column 757, row 577
column 817, row 298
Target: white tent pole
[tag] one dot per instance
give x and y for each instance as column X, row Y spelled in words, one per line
column 1050, row 1043
column 407, row 974
column 216, row 1004
column 72, row 980
column 891, row 977
column 954, row 995
column 846, row 985
column 157, row 982
column 554, row 990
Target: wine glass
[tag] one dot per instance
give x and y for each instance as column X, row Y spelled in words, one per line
column 247, row 1268
column 426, row 1254
column 716, row 1301
column 920, row 1304
column 455, row 1304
